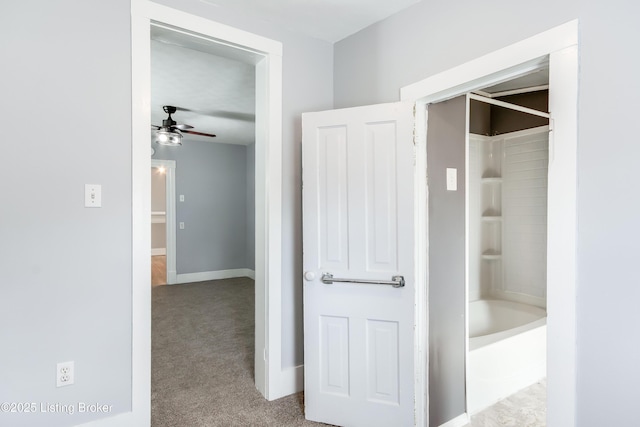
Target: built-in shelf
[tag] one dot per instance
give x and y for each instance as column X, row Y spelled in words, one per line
column 491, row 184
column 158, row 217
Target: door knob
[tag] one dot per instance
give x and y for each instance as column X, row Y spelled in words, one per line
column 309, row 276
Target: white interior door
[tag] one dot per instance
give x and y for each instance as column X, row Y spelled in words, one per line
column 358, row 215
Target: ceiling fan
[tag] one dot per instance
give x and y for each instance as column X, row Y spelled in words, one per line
column 170, row 133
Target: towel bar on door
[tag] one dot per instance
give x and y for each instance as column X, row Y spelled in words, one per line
column 396, row 281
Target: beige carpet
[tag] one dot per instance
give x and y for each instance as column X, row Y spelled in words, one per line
column 202, row 359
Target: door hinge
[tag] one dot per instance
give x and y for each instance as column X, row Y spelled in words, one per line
column 264, row 354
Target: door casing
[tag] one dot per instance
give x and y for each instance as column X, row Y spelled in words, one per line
column 271, row 380
column 558, row 47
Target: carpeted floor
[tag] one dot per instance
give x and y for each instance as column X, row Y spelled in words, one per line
column 202, row 365
column 202, row 359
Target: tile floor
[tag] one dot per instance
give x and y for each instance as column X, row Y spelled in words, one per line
column 526, row 408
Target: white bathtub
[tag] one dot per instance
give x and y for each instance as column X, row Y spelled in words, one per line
column 507, row 350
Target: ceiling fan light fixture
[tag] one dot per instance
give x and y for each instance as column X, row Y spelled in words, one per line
column 166, row 137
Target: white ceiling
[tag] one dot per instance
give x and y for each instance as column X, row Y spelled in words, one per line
column 330, row 20
column 215, row 84
column 218, row 92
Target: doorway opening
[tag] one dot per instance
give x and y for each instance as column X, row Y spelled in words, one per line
column 163, row 226
column 266, row 55
column 558, row 48
column 213, row 100
column 507, row 160
column 158, row 226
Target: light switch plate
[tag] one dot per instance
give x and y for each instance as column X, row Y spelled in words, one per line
column 92, row 196
column 452, row 179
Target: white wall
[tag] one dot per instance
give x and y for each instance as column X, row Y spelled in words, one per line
column 372, row 65
column 65, row 270
column 251, row 206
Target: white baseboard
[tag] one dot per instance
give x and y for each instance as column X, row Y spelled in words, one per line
column 119, row 420
column 291, row 380
column 172, row 277
column 214, row 275
column 158, row 251
column 459, row 421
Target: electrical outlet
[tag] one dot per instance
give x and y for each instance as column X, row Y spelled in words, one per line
column 65, row 374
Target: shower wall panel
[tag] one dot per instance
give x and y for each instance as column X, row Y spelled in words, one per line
column 525, row 214
column 508, row 216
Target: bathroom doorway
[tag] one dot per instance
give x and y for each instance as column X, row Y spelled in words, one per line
column 507, row 153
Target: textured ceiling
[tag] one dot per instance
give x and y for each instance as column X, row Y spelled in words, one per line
column 218, row 92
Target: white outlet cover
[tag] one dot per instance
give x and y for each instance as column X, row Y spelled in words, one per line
column 65, row 374
column 452, row 179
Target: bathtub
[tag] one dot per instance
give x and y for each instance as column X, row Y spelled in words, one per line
column 507, row 350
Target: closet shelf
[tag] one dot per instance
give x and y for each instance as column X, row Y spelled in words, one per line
column 491, row 218
column 491, row 257
column 158, row 217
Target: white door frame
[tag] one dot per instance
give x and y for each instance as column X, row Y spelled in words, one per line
column 170, row 215
column 268, row 370
column 558, row 46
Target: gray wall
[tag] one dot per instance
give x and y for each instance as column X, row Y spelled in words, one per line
column 431, row 37
column 213, row 179
column 446, row 133
column 251, row 206
column 65, row 270
column 49, row 256
column 66, row 90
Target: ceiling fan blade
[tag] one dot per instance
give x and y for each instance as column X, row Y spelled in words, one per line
column 198, row 133
column 233, row 115
column 183, row 126
column 224, row 114
column 155, row 127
